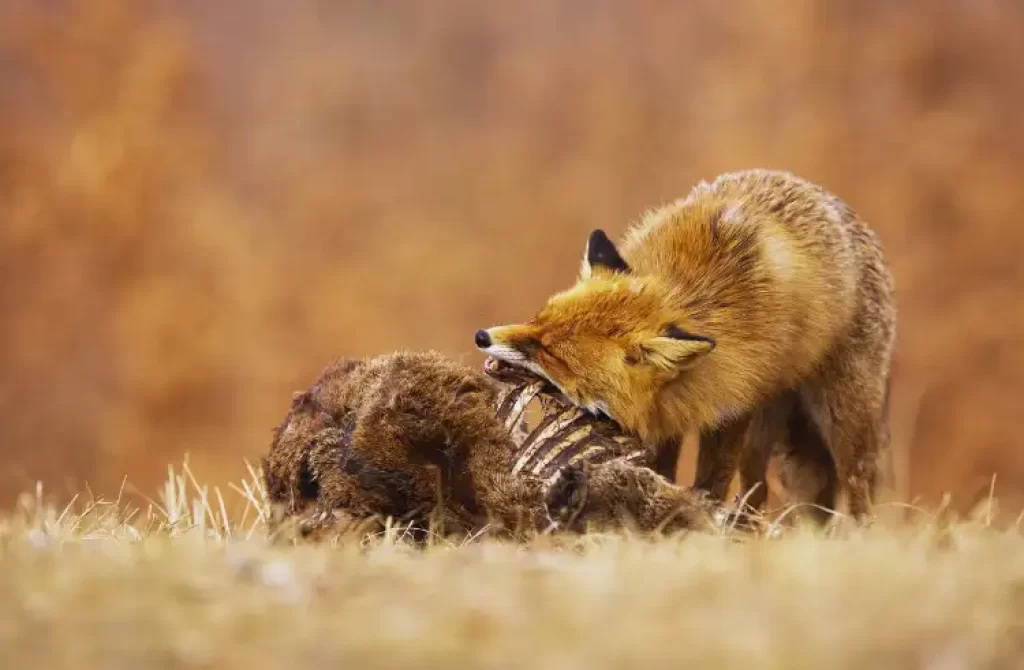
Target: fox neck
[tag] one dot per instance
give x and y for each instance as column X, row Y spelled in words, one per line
column 687, row 403
column 662, row 420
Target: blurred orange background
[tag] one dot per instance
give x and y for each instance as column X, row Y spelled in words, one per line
column 202, row 203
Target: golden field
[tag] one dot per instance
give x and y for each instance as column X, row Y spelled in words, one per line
column 179, row 584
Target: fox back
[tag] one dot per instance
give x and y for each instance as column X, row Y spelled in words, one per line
column 709, row 305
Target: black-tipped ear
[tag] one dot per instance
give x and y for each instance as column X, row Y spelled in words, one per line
column 601, row 253
column 676, row 333
column 675, row 350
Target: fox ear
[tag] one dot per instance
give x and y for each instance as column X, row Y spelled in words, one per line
column 601, row 253
column 676, row 349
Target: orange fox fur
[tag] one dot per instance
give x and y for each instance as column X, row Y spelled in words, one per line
column 758, row 300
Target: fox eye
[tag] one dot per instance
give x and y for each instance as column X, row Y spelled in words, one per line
column 534, row 347
column 528, row 345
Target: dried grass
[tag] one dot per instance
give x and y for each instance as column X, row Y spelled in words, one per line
column 183, row 584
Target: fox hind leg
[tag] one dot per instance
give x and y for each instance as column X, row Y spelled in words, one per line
column 848, row 408
column 806, row 468
column 768, row 428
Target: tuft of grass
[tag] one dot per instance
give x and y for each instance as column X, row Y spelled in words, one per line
column 184, row 582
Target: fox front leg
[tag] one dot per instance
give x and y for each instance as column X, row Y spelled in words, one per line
column 717, row 457
column 666, row 457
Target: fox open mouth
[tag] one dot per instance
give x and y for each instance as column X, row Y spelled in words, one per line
column 516, row 374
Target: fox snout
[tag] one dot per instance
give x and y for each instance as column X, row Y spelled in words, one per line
column 503, row 342
column 499, row 337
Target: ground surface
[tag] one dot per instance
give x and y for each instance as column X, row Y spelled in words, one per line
column 86, row 590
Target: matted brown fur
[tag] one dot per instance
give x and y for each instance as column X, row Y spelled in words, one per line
column 760, row 306
column 394, row 436
column 617, row 494
column 411, row 434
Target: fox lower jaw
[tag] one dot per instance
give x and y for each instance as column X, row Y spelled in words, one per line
column 516, row 358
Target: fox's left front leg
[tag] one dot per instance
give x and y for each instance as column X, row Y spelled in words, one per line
column 718, row 456
column 666, row 457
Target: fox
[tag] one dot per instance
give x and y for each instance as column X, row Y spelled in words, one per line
column 758, row 310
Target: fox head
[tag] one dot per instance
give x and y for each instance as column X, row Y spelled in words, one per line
column 610, row 343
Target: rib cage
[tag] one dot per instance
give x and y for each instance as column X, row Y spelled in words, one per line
column 564, row 436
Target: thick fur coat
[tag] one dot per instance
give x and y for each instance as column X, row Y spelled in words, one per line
column 758, row 310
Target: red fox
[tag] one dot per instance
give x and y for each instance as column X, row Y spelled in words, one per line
column 758, row 307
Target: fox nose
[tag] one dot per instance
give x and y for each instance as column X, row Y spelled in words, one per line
column 482, row 339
